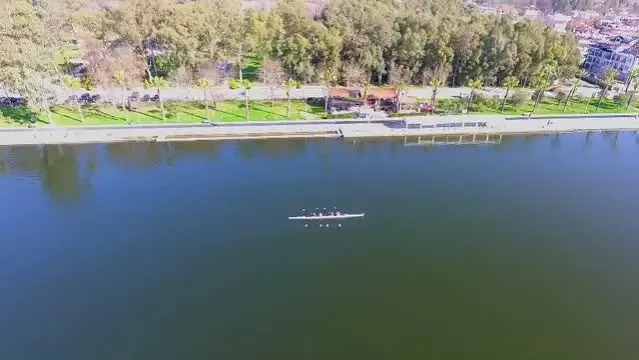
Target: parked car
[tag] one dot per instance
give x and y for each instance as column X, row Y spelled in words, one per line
column 135, row 95
column 89, row 98
column 12, row 101
column 155, row 97
column 146, row 98
column 133, row 104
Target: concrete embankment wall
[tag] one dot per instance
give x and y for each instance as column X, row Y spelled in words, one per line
column 431, row 125
column 496, row 126
column 99, row 134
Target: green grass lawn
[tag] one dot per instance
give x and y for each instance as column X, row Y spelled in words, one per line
column 233, row 111
column 550, row 106
column 193, row 112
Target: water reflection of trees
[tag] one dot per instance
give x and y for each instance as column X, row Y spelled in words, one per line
column 143, row 155
column 139, row 155
column 64, row 171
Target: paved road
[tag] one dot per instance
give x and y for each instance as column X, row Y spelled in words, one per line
column 310, row 91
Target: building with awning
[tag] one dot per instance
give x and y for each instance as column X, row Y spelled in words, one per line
column 344, row 99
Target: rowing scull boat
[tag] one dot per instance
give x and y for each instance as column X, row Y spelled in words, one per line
column 325, row 217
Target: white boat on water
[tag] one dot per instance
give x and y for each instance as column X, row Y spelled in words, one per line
column 326, row 216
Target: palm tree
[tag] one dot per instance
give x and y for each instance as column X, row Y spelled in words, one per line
column 74, row 84
column 288, row 86
column 245, row 85
column 158, row 82
column 576, row 83
column 367, row 88
column 435, row 84
column 540, row 83
column 474, row 85
column 633, row 76
column 205, row 84
column 509, row 83
column 401, row 90
column 328, row 78
column 608, row 81
column 122, row 80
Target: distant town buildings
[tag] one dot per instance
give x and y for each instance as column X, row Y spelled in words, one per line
column 531, row 14
column 559, row 22
column 606, row 41
column 585, row 15
column 620, row 53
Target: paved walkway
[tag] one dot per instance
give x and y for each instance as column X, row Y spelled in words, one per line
column 347, row 129
column 310, row 91
column 464, row 125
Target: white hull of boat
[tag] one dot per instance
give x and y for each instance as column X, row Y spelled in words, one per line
column 326, row 217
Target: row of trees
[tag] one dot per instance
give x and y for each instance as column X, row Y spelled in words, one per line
column 355, row 42
column 566, row 91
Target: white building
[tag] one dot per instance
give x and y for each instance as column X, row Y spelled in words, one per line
column 585, row 15
column 557, row 21
column 622, row 53
column 532, row 14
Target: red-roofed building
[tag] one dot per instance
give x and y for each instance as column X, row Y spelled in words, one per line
column 341, row 99
column 581, row 27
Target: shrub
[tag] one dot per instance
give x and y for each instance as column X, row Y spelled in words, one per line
column 456, row 105
column 342, row 116
column 517, row 99
column 496, row 101
column 234, row 84
column 479, row 98
column 560, row 96
column 87, row 83
column 536, row 93
column 621, row 99
column 579, row 98
column 486, row 102
column 480, row 108
column 172, row 108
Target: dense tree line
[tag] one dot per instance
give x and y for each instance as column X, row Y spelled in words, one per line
column 351, row 41
column 567, row 6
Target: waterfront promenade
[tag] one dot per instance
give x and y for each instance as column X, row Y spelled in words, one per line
column 422, row 126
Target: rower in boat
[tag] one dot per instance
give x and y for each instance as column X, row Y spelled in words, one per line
column 326, row 215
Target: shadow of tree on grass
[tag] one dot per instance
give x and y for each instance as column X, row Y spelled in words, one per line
column 20, row 115
column 60, row 114
column 196, row 115
column 149, row 113
column 231, row 114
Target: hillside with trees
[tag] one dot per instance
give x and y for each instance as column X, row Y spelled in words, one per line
column 354, row 42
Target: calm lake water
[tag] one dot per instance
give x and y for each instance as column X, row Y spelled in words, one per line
column 523, row 250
